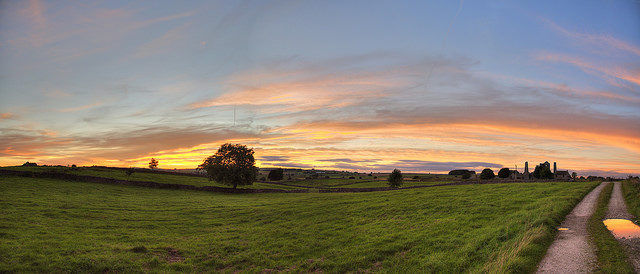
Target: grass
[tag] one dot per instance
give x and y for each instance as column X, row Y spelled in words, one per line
column 611, row 256
column 366, row 181
column 404, row 184
column 51, row 225
column 631, row 193
column 143, row 176
column 330, row 182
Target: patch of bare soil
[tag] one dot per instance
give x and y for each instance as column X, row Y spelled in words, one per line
column 174, row 256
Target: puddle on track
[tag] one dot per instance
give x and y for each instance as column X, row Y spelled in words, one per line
column 622, row 228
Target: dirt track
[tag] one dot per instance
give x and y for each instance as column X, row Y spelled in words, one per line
column 571, row 251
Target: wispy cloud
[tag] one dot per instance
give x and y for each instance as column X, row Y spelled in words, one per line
column 83, row 107
column 605, row 41
column 613, row 75
column 35, row 11
column 292, row 86
column 95, row 30
column 56, row 93
column 163, row 43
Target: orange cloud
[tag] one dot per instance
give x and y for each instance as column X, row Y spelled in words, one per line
column 5, row 115
column 328, row 92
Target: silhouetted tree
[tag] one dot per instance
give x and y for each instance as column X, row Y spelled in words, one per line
column 233, row 165
column 395, row 178
column 574, row 175
column 487, row 174
column 543, row 171
column 504, row 173
column 153, row 164
column 29, row 164
column 276, row 174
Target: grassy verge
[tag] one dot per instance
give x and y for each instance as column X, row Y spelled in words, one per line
column 611, row 256
column 50, row 225
column 631, row 193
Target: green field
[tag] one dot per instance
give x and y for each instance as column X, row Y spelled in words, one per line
column 53, row 225
column 357, row 182
column 142, row 176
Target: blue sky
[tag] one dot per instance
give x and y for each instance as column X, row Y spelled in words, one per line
column 435, row 81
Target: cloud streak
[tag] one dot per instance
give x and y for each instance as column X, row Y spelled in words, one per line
column 606, row 41
column 612, row 75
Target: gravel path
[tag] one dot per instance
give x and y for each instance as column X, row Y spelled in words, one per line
column 618, row 210
column 571, row 251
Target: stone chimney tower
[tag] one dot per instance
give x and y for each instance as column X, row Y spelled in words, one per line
column 526, row 171
column 554, row 168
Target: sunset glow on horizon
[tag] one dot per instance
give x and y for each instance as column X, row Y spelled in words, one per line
column 423, row 86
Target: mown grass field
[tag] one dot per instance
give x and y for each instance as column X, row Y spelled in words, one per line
column 52, row 225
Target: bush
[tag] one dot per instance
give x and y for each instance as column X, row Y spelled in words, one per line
column 487, row 174
column 276, row 174
column 458, row 172
column 129, row 171
column 232, row 165
column 29, row 164
column 466, row 175
column 504, row 173
column 395, row 178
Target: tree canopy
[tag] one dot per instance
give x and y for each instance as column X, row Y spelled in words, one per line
column 543, row 171
column 487, row 174
column 233, row 164
column 395, row 178
column 504, row 173
column 153, row 164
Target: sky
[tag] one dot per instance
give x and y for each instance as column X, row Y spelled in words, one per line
column 423, row 86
